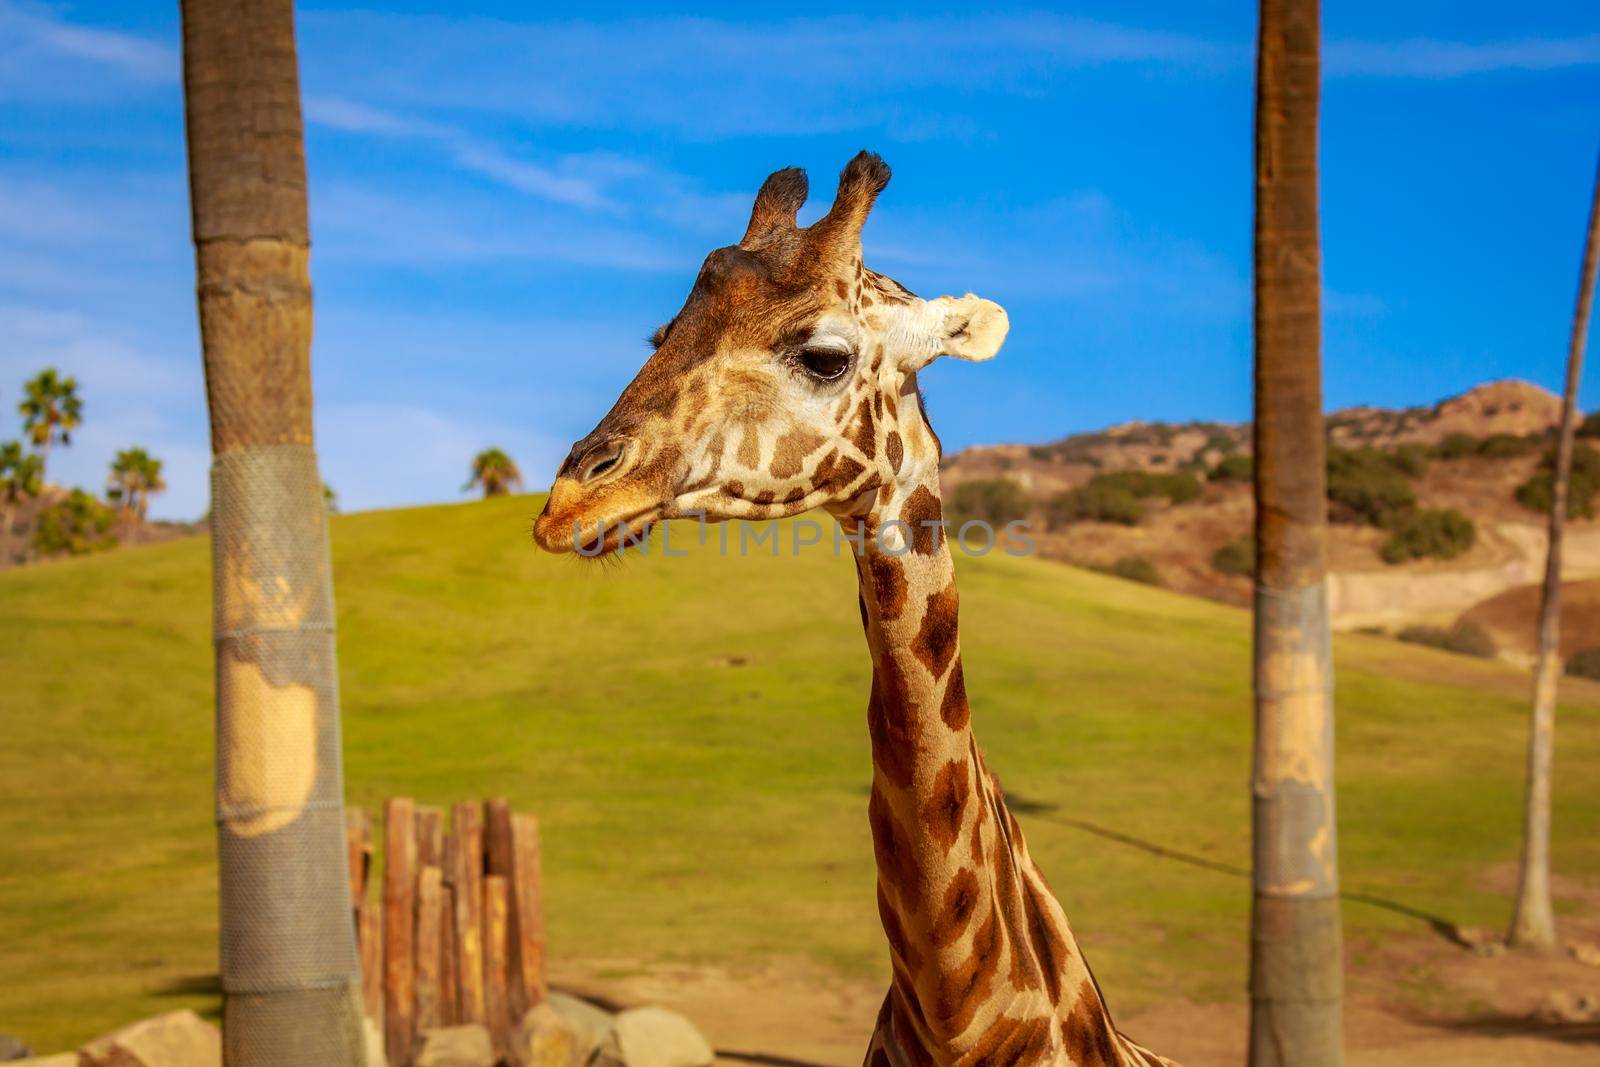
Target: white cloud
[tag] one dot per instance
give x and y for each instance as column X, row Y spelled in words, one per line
column 33, row 37
column 1426, row 58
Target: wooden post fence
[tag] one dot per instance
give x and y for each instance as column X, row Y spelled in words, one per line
column 456, row 932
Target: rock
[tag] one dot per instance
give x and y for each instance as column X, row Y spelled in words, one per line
column 60, row 1059
column 12, row 1049
column 656, row 1037
column 592, row 1023
column 546, row 1038
column 176, row 1039
column 372, row 1034
column 454, row 1046
column 1564, row 1006
column 1586, row 952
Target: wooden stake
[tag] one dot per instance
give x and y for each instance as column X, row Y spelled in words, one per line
column 527, row 916
column 430, row 838
column 497, row 837
column 399, row 918
column 358, row 845
column 468, row 884
column 429, row 892
column 496, row 945
column 370, row 926
column 449, row 993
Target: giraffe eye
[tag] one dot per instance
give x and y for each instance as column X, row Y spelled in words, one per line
column 824, row 364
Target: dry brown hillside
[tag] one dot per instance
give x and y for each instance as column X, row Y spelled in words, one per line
column 1467, row 454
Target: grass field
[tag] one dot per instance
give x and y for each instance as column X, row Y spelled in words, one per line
column 695, row 810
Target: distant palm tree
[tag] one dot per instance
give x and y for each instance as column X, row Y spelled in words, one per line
column 495, row 471
column 1533, row 922
column 51, row 410
column 21, row 478
column 135, row 476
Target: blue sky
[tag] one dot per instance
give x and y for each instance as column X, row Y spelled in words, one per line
column 505, row 203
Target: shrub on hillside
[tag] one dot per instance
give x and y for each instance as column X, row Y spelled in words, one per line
column 77, row 525
column 1457, row 446
column 1366, row 485
column 1466, row 638
column 1507, row 445
column 1177, row 486
column 1410, row 459
column 1537, row 492
column 1134, row 569
column 1093, row 503
column 1440, row 534
column 995, row 501
column 1236, row 557
column 1585, row 663
column 1234, row 468
column 1590, row 426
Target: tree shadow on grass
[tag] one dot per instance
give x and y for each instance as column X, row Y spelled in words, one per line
column 1446, row 929
column 1568, row 1033
column 196, row 985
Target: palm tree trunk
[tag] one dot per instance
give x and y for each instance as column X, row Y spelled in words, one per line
column 1533, row 923
column 6, row 514
column 290, row 975
column 1296, row 979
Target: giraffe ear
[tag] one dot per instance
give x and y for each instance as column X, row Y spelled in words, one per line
column 966, row 327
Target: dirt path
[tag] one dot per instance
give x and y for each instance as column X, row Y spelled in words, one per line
column 797, row 1015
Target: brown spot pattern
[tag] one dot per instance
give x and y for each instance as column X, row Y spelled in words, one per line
column 962, row 988
column 788, row 455
column 946, row 807
column 845, row 472
column 922, row 514
column 960, row 901
column 892, row 723
column 935, row 643
column 895, row 450
column 954, row 709
column 750, row 447
column 897, row 864
column 895, row 934
column 1048, row 944
column 888, row 584
column 864, row 437
column 1013, row 1042
column 1087, row 1031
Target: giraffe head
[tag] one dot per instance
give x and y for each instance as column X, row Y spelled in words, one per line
column 786, row 382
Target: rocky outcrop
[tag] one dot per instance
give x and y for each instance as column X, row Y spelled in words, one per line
column 176, row 1039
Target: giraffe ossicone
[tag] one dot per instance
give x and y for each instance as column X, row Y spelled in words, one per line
column 788, row 382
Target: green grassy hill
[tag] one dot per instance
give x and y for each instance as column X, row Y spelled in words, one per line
column 691, row 732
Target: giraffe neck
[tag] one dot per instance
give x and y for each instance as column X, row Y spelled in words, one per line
column 984, row 962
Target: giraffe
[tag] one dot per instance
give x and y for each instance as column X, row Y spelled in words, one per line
column 788, row 381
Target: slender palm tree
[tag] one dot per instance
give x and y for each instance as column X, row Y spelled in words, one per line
column 290, row 975
column 51, row 409
column 1296, row 964
column 21, row 478
column 495, row 472
column 135, row 477
column 1533, row 923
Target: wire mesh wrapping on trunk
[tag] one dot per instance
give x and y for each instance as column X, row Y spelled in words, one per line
column 280, row 821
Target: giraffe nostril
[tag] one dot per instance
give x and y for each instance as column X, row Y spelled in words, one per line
column 602, row 459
